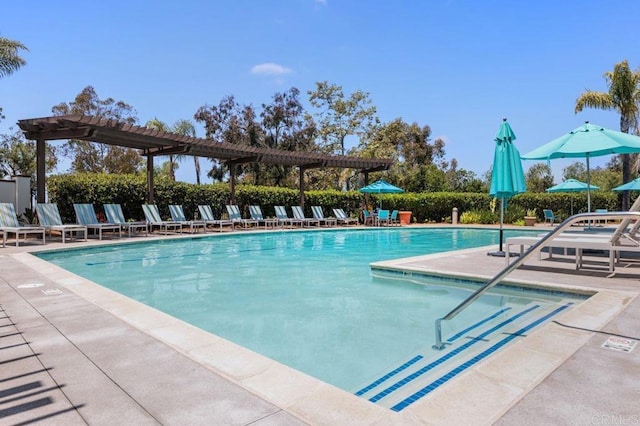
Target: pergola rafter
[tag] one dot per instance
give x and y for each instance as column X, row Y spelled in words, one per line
column 151, row 143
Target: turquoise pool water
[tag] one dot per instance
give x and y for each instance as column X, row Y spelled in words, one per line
column 306, row 299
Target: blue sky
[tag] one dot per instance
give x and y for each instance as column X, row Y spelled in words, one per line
column 457, row 66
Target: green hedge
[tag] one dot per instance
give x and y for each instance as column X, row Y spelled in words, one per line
column 131, row 192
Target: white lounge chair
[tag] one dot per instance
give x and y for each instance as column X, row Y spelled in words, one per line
column 298, row 213
column 9, row 224
column 319, row 215
column 236, row 217
column 152, row 214
column 115, row 215
column 49, row 217
column 342, row 217
column 177, row 215
column 207, row 215
column 256, row 214
column 86, row 215
column 284, row 219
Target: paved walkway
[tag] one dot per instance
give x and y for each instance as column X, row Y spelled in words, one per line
column 65, row 358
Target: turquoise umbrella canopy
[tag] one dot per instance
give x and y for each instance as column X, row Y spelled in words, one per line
column 507, row 176
column 381, row 187
column 588, row 140
column 634, row 185
column 572, row 185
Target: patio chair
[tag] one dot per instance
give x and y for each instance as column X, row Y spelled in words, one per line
column 298, row 213
column 236, row 217
column 115, row 215
column 86, row 215
column 177, row 215
column 319, row 214
column 283, row 217
column 49, row 217
column 9, row 224
column 207, row 215
column 341, row 217
column 152, row 214
column 550, row 218
column 368, row 217
column 393, row 218
column 256, row 214
column 383, row 217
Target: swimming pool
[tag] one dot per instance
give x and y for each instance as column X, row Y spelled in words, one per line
column 306, row 299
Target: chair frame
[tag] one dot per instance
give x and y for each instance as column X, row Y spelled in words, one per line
column 9, row 224
column 115, row 214
column 207, row 215
column 49, row 217
column 318, row 214
column 86, row 215
column 177, row 215
column 152, row 214
column 298, row 213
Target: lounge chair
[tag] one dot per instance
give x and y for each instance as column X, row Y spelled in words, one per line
column 383, row 217
column 549, row 217
column 115, row 215
column 207, row 215
column 298, row 213
column 341, row 217
column 256, row 214
column 614, row 242
column 319, row 214
column 49, row 217
column 284, row 219
column 236, row 217
column 177, row 215
column 152, row 214
column 86, row 215
column 9, row 224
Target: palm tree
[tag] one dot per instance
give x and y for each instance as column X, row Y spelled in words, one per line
column 186, row 127
column 624, row 97
column 10, row 61
column 162, row 126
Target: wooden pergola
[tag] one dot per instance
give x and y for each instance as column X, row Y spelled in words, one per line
column 152, row 143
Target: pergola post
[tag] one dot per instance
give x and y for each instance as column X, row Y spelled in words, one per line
column 40, row 170
column 232, row 182
column 150, row 190
column 301, row 185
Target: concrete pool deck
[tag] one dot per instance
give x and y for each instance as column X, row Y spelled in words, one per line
column 73, row 352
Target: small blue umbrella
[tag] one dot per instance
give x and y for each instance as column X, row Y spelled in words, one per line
column 381, row 187
column 634, row 185
column 507, row 177
column 572, row 185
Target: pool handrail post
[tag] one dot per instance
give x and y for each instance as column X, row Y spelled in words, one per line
column 625, row 216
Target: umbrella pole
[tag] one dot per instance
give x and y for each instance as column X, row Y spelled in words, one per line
column 501, row 220
column 588, row 188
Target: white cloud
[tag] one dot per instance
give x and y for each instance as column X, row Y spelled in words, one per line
column 270, row 68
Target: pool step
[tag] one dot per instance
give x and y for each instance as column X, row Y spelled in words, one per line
column 427, row 371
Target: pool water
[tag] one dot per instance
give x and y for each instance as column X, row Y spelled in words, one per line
column 305, row 299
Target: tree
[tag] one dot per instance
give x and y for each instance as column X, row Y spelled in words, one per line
column 623, row 97
column 286, row 127
column 96, row 157
column 186, row 128
column 10, row 60
column 411, row 148
column 341, row 116
column 18, row 157
column 539, row 177
column 576, row 170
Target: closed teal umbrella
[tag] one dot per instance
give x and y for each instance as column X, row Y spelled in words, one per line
column 507, row 177
column 587, row 141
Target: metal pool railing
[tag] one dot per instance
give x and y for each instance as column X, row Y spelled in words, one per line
column 626, row 218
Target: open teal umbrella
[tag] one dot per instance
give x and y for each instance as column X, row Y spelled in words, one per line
column 586, row 141
column 572, row 185
column 381, row 187
column 507, row 177
column 633, row 185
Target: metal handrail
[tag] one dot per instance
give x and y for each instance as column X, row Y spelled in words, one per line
column 625, row 216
